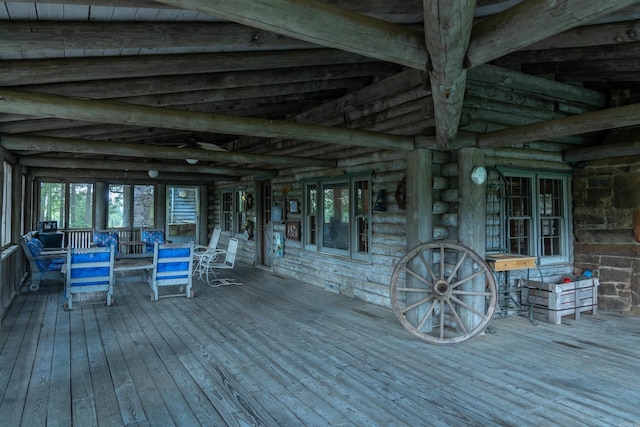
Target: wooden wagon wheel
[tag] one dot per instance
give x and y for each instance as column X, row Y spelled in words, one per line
column 443, row 292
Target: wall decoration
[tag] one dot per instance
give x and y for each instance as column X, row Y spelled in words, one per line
column 381, row 201
column 276, row 213
column 293, row 206
column 401, row 193
column 293, row 230
column 278, row 244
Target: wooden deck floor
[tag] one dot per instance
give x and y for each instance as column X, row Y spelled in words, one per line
column 277, row 352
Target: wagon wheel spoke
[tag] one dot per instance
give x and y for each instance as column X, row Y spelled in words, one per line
column 442, row 292
column 420, row 278
column 457, row 267
column 427, row 266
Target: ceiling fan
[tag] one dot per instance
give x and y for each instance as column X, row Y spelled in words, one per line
column 197, row 143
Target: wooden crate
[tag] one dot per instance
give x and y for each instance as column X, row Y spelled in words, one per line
column 551, row 301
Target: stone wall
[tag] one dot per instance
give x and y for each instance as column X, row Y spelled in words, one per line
column 605, row 195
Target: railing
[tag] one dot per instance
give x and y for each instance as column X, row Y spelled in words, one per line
column 12, row 271
column 78, row 238
column 83, row 238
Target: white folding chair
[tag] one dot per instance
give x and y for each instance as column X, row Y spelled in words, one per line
column 205, row 254
column 227, row 264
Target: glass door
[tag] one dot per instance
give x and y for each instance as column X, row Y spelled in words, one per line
column 182, row 213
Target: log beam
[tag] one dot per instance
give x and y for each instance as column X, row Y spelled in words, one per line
column 35, row 104
column 17, row 37
column 447, row 31
column 45, row 144
column 627, row 115
column 120, row 165
column 331, row 26
column 38, row 71
column 531, row 21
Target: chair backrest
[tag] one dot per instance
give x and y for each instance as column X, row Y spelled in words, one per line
column 90, row 266
column 173, row 263
column 215, row 236
column 232, row 250
column 150, row 237
column 104, row 239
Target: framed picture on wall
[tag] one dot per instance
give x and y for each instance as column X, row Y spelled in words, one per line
column 276, row 213
column 293, row 206
column 293, row 230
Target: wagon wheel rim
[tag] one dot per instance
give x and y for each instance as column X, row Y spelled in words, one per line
column 443, row 292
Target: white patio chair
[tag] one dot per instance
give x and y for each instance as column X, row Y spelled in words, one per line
column 172, row 266
column 89, row 270
column 205, row 254
column 227, row 264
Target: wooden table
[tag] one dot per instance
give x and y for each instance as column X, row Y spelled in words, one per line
column 144, row 264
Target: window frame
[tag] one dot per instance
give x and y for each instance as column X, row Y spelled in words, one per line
column 313, row 222
column 535, row 227
column 64, row 222
column 233, row 213
column 7, row 204
column 129, row 215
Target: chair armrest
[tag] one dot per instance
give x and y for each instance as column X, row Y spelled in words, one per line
column 55, row 255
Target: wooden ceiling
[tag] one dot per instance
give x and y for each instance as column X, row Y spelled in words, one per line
column 250, row 87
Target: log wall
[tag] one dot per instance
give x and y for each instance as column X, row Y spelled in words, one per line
column 496, row 99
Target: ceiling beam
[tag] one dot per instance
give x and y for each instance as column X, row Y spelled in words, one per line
column 17, row 102
column 17, row 37
column 594, row 121
column 121, row 165
column 38, row 71
column 45, row 144
column 447, row 31
column 111, row 176
column 331, row 26
column 531, row 21
column 631, row 148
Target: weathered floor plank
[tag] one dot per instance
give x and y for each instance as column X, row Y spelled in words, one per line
column 277, row 352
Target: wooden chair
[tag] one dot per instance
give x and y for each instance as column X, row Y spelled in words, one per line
column 44, row 265
column 172, row 266
column 227, row 264
column 205, row 254
column 89, row 270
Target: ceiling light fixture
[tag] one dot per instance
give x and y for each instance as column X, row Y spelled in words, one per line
column 192, row 161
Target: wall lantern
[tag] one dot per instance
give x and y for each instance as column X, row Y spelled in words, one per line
column 153, row 173
column 479, row 175
column 192, row 161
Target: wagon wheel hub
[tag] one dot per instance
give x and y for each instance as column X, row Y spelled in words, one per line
column 441, row 290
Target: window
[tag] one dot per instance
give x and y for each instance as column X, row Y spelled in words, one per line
column 536, row 219
column 311, row 215
column 239, row 211
column 233, row 211
column 7, row 186
column 52, row 202
column 71, row 205
column 80, row 205
column 227, row 213
column 131, row 206
column 337, row 217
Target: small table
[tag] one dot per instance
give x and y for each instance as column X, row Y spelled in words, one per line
column 144, row 264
